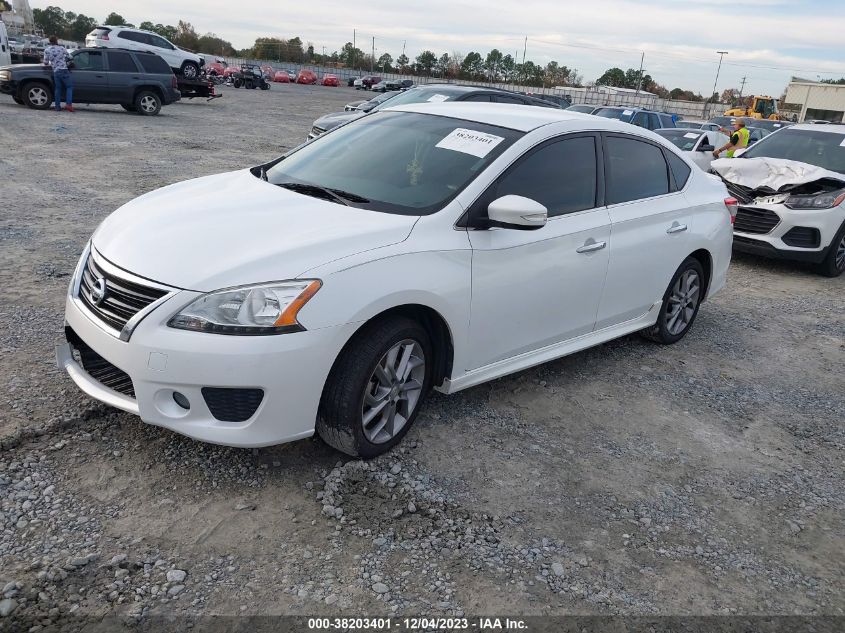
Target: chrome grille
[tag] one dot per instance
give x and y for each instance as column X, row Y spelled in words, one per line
column 121, row 300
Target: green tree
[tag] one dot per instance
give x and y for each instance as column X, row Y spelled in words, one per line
column 211, row 43
column 50, row 20
column 473, row 66
column 115, row 19
column 295, row 52
column 613, row 77
column 402, row 61
column 186, row 37
column 426, row 61
column 492, row 63
column 385, row 62
column 443, row 65
column 81, row 26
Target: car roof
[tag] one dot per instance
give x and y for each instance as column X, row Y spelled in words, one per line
column 516, row 117
column 685, row 130
column 834, row 128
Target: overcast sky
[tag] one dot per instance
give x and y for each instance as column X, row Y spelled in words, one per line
column 768, row 40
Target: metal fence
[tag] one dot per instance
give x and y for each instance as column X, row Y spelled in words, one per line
column 686, row 109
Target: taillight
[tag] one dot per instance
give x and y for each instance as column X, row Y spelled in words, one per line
column 105, row 36
column 173, row 82
column 732, row 205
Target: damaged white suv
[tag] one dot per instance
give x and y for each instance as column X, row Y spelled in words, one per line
column 791, row 192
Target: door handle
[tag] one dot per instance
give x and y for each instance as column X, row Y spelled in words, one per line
column 589, row 247
column 676, row 228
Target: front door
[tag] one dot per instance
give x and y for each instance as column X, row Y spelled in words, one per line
column 90, row 84
column 535, row 288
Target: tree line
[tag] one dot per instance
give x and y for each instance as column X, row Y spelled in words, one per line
column 494, row 67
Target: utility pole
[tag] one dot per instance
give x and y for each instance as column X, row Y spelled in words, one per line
column 524, row 48
column 718, row 68
column 742, row 87
column 373, row 57
column 640, row 80
column 352, row 63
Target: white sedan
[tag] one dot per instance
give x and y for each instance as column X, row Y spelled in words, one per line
column 324, row 292
column 697, row 144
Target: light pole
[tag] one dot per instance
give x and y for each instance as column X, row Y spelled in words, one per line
column 721, row 54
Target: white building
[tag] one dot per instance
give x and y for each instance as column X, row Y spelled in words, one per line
column 817, row 100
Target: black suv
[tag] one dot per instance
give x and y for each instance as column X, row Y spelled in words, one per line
column 139, row 81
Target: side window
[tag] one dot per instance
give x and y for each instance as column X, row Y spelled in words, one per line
column 88, row 60
column 640, row 119
column 655, row 122
column 507, row 99
column 121, row 62
column 154, row 64
column 478, row 98
column 636, row 170
column 680, row 170
column 160, row 42
column 141, row 38
column 561, row 176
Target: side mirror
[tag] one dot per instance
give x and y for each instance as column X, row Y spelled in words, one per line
column 705, row 148
column 517, row 212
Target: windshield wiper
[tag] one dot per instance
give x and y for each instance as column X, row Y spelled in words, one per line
column 337, row 195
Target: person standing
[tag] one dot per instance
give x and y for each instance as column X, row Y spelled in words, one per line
column 57, row 57
column 739, row 139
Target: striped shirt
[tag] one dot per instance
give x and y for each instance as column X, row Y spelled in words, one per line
column 56, row 56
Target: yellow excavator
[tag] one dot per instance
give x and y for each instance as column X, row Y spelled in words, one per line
column 761, row 108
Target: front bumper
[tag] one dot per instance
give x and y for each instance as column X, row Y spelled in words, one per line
column 9, row 87
column 290, row 369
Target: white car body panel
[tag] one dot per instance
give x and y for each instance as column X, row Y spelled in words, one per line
column 175, row 56
column 510, row 299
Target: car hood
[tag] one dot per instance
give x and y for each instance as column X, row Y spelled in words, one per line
column 28, row 67
column 234, row 229
column 776, row 174
column 334, row 119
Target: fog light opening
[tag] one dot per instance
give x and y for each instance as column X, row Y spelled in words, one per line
column 181, row 400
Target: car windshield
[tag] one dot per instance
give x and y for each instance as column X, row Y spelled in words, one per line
column 420, row 95
column 823, row 149
column 615, row 113
column 682, row 139
column 416, row 163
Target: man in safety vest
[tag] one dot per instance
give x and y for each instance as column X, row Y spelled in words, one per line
column 739, row 139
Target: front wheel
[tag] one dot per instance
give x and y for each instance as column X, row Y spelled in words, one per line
column 190, row 70
column 37, row 95
column 834, row 262
column 265, row 86
column 237, row 82
column 147, row 103
column 376, row 388
column 680, row 304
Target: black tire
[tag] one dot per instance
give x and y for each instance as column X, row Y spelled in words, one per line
column 661, row 331
column 265, row 86
column 339, row 418
column 18, row 100
column 128, row 107
column 248, row 84
column 237, row 82
column 147, row 103
column 37, row 95
column 190, row 70
column 834, row 262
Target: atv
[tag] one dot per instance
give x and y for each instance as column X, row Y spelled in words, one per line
column 250, row 76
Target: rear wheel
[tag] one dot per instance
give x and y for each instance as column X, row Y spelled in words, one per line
column 37, row 95
column 376, row 388
column 147, row 103
column 237, row 82
column 190, row 70
column 680, row 304
column 265, row 86
column 834, row 262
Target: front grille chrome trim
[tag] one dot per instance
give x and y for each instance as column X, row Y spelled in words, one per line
column 115, row 273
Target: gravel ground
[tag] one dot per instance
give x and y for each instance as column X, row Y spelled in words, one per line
column 704, row 478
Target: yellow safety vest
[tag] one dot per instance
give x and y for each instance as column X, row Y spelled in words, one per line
column 743, row 140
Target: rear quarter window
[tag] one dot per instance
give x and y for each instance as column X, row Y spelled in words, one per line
column 680, row 170
column 154, row 64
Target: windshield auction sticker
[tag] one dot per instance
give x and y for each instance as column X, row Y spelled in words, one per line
column 438, row 98
column 470, row 142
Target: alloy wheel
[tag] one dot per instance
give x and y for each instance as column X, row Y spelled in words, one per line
column 393, row 391
column 148, row 104
column 683, row 301
column 38, row 96
column 840, row 255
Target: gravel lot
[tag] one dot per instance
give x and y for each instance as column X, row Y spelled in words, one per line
column 702, row 478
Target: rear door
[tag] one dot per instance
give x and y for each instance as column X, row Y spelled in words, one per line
column 90, row 83
column 651, row 225
column 123, row 75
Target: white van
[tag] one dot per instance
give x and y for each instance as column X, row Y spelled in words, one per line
column 5, row 49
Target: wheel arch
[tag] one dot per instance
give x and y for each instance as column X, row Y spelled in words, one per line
column 703, row 256
column 26, row 83
column 439, row 332
column 148, row 88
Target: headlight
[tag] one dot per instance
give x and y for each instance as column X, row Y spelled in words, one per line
column 251, row 310
column 5, row 75
column 821, row 201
